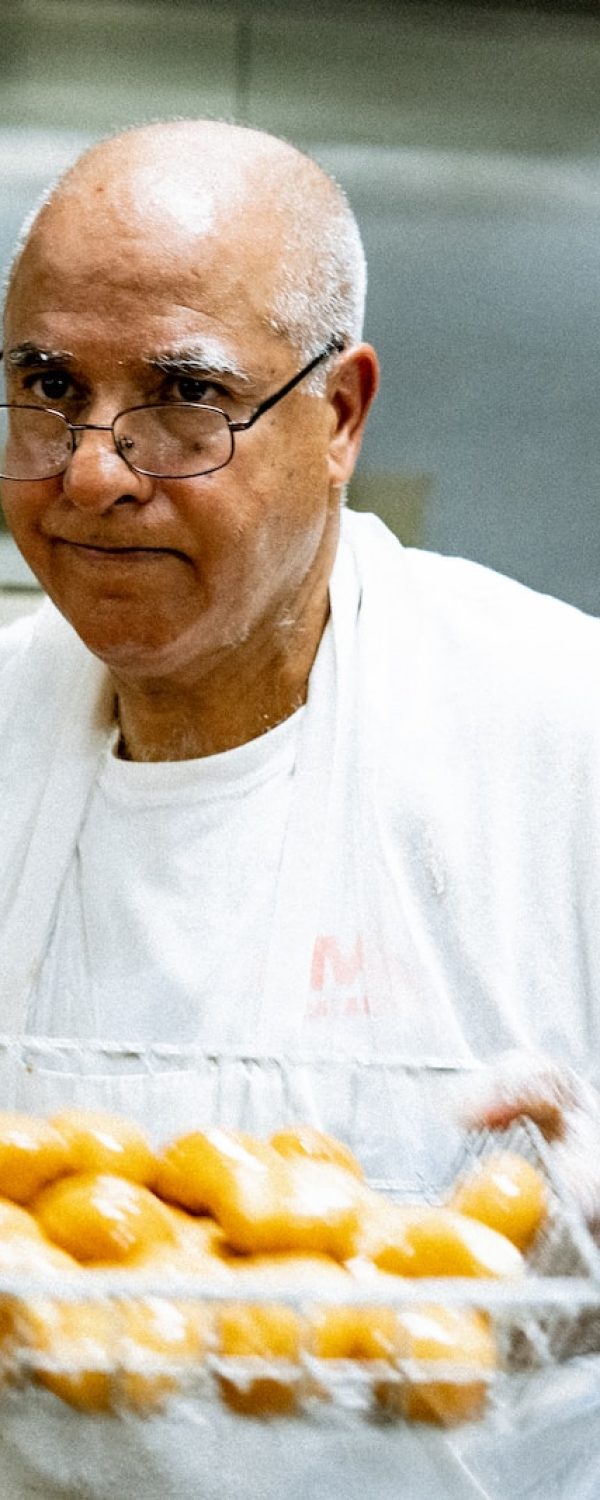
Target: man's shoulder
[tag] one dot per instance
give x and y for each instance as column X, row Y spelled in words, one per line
column 467, row 592
column 43, row 642
column 517, row 647
column 463, row 599
column 473, row 635
column 16, row 636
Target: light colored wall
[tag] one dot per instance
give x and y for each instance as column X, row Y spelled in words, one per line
column 485, row 303
column 446, row 77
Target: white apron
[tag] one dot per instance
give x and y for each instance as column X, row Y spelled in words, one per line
column 376, row 1095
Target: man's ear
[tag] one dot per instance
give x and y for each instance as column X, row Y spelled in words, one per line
column 353, row 385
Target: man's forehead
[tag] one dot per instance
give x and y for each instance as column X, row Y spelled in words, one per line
column 170, row 205
column 74, row 241
column 144, row 197
column 173, row 290
column 220, row 272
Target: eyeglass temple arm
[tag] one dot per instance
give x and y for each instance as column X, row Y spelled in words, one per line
column 334, row 346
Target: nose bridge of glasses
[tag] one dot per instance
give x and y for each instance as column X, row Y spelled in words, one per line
column 90, row 426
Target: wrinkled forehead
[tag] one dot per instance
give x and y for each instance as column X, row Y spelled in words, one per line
column 118, row 238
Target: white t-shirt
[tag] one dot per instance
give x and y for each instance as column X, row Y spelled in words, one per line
column 164, row 918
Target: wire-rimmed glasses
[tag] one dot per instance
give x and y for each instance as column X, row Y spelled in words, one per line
column 171, row 440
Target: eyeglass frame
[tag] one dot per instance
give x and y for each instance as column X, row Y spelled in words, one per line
column 335, row 345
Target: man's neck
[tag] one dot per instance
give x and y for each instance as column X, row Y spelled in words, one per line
column 235, row 700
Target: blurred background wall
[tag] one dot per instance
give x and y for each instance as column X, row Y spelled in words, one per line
column 468, row 139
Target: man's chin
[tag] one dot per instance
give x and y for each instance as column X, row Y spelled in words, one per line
column 140, row 658
column 140, row 647
column 147, row 650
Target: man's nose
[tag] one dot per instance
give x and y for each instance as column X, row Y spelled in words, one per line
column 97, row 477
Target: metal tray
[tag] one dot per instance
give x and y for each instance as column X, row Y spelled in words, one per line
column 551, row 1316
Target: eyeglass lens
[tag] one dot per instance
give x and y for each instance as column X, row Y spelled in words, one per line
column 34, row 444
column 176, row 440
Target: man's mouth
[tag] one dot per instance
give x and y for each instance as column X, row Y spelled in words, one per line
column 110, row 551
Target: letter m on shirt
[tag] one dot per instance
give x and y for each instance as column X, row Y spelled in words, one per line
column 330, row 963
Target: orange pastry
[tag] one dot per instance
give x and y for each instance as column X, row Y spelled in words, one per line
column 359, row 1333
column 262, row 1201
column 189, row 1170
column 259, row 1334
column 415, row 1240
column 200, row 1245
column 457, row 1337
column 98, row 1217
column 101, row 1142
column 506, row 1192
column 291, row 1205
column 71, row 1348
column 155, row 1333
column 306, row 1140
column 270, row 1331
column 258, row 1331
column 32, row 1153
column 16, row 1223
column 293, row 1214
column 98, row 1356
column 292, row 1271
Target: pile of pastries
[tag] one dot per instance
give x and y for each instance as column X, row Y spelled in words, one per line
column 84, row 1193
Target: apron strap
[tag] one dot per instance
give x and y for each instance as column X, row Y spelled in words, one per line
column 318, row 778
column 55, row 733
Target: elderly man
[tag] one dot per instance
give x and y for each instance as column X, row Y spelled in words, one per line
column 272, row 787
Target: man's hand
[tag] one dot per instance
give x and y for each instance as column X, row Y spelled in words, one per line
column 564, row 1106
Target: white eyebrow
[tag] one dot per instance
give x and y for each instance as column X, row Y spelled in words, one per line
column 204, row 356
column 25, row 355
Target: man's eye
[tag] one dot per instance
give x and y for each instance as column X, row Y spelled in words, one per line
column 190, row 388
column 52, row 385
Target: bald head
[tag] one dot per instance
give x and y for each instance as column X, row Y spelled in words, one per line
column 213, row 182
